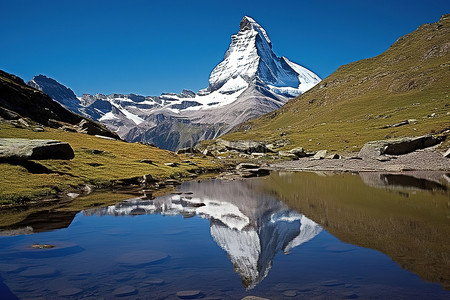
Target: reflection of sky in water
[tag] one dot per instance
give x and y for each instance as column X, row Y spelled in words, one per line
column 221, row 239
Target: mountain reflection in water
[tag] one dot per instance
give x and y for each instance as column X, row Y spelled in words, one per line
column 250, row 226
column 368, row 231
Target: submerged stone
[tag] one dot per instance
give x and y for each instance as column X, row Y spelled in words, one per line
column 125, row 291
column 142, row 257
column 189, row 294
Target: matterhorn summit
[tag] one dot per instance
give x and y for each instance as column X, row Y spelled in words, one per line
column 250, row 81
column 250, row 58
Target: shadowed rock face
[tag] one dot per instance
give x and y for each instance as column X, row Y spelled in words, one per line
column 398, row 146
column 250, row 226
column 28, row 102
column 25, row 149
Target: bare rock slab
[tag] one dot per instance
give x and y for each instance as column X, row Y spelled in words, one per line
column 27, row 149
column 398, row 146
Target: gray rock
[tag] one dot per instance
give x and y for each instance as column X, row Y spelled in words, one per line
column 447, row 153
column 96, row 151
column 207, row 152
column 320, row 154
column 26, row 149
column 189, row 294
column 398, row 146
column 244, row 146
column 287, row 154
column 247, row 166
column 147, row 161
column 172, row 164
column 188, row 150
column 155, row 282
column 125, row 291
column 299, row 151
column 351, row 295
column 333, row 156
column 290, row 293
column 332, row 282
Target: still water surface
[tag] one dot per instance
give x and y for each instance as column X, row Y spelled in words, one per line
column 285, row 236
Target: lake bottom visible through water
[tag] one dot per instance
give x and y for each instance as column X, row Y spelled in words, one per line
column 217, row 240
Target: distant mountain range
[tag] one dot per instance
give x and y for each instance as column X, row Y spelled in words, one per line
column 18, row 101
column 249, row 82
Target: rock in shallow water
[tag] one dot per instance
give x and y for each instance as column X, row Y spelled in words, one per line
column 143, row 257
column 290, row 293
column 125, row 291
column 189, row 294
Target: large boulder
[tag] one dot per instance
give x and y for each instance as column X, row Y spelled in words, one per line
column 299, row 151
column 398, row 146
column 321, row 154
column 188, row 150
column 287, row 154
column 26, row 149
column 245, row 146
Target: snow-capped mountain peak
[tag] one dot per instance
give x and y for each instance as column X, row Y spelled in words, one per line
column 248, row 23
column 250, row 81
column 250, row 57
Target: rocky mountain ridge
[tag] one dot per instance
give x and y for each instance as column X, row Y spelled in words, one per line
column 250, row 81
column 19, row 101
column 403, row 91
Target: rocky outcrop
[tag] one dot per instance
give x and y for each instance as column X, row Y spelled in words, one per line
column 247, row 170
column 299, row 151
column 20, row 100
column 321, row 154
column 25, row 149
column 398, row 146
column 288, row 155
column 244, row 146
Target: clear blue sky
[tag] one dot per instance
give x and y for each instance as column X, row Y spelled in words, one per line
column 150, row 47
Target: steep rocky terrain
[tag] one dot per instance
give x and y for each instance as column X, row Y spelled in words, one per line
column 401, row 92
column 19, row 100
column 250, row 81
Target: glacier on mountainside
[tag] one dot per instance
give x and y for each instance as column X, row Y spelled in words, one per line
column 250, row 81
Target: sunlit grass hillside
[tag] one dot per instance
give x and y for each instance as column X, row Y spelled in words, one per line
column 114, row 160
column 409, row 81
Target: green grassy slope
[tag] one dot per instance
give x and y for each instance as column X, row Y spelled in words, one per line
column 119, row 160
column 411, row 80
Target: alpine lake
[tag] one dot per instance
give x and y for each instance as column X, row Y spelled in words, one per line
column 289, row 235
